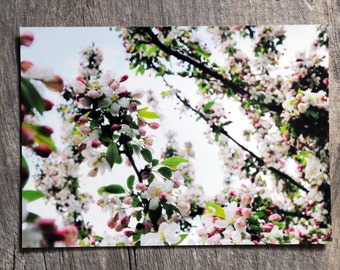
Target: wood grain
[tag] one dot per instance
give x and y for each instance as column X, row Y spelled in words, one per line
column 16, row 13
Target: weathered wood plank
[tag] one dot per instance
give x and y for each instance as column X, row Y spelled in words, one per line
column 154, row 12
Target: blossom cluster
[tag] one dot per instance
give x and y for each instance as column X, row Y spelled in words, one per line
column 277, row 188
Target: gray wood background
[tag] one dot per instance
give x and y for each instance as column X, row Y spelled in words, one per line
column 16, row 13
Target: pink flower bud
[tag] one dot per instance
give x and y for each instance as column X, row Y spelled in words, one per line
column 122, row 93
column 93, row 94
column 147, row 227
column 247, row 198
column 47, row 225
column 141, row 186
column 238, row 211
column 27, row 137
column 81, row 79
column 163, row 197
column 142, row 132
column 26, row 38
column 70, row 234
column 114, row 85
column 267, row 227
column 214, row 239
column 140, row 122
column 274, row 217
column 184, row 207
column 25, row 65
column 46, row 130
column 148, row 141
column 128, row 232
column 133, row 107
column 82, row 120
column 55, row 83
column 112, row 222
column 115, row 127
column 231, row 193
column 81, row 147
column 95, row 143
column 125, row 221
column 128, row 200
column 93, row 172
column 315, row 238
column 146, row 174
column 124, row 78
column 177, row 183
column 100, row 202
column 240, row 223
column 246, row 212
column 139, row 93
column 153, row 125
column 48, row 105
column 85, row 130
column 43, row 150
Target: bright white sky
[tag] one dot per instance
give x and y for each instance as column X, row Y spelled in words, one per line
column 59, row 48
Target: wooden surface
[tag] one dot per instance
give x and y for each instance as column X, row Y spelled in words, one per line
column 16, row 13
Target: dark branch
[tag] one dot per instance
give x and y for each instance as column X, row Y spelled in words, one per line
column 227, row 83
column 195, row 63
column 132, row 161
column 261, row 162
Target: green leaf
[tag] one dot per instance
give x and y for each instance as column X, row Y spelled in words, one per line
column 255, row 228
column 259, row 214
column 30, row 96
column 112, row 155
column 140, row 70
column 165, row 171
column 139, row 215
column 151, row 50
column 113, row 189
column 154, row 162
column 137, row 234
column 169, row 211
column 183, row 236
column 101, row 190
column 40, row 138
column 24, row 168
column 43, row 139
column 144, row 113
column 136, row 202
column 208, row 105
column 32, row 195
column 173, row 162
column 215, row 209
column 31, row 217
column 130, row 181
column 278, row 224
column 146, row 155
column 155, row 215
column 217, row 136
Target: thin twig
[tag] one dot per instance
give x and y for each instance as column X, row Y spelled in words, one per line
column 261, row 162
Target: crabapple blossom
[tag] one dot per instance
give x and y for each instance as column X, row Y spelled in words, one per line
column 276, row 173
column 166, row 234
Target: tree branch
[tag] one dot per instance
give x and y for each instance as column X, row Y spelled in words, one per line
column 132, row 161
column 261, row 162
column 213, row 73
